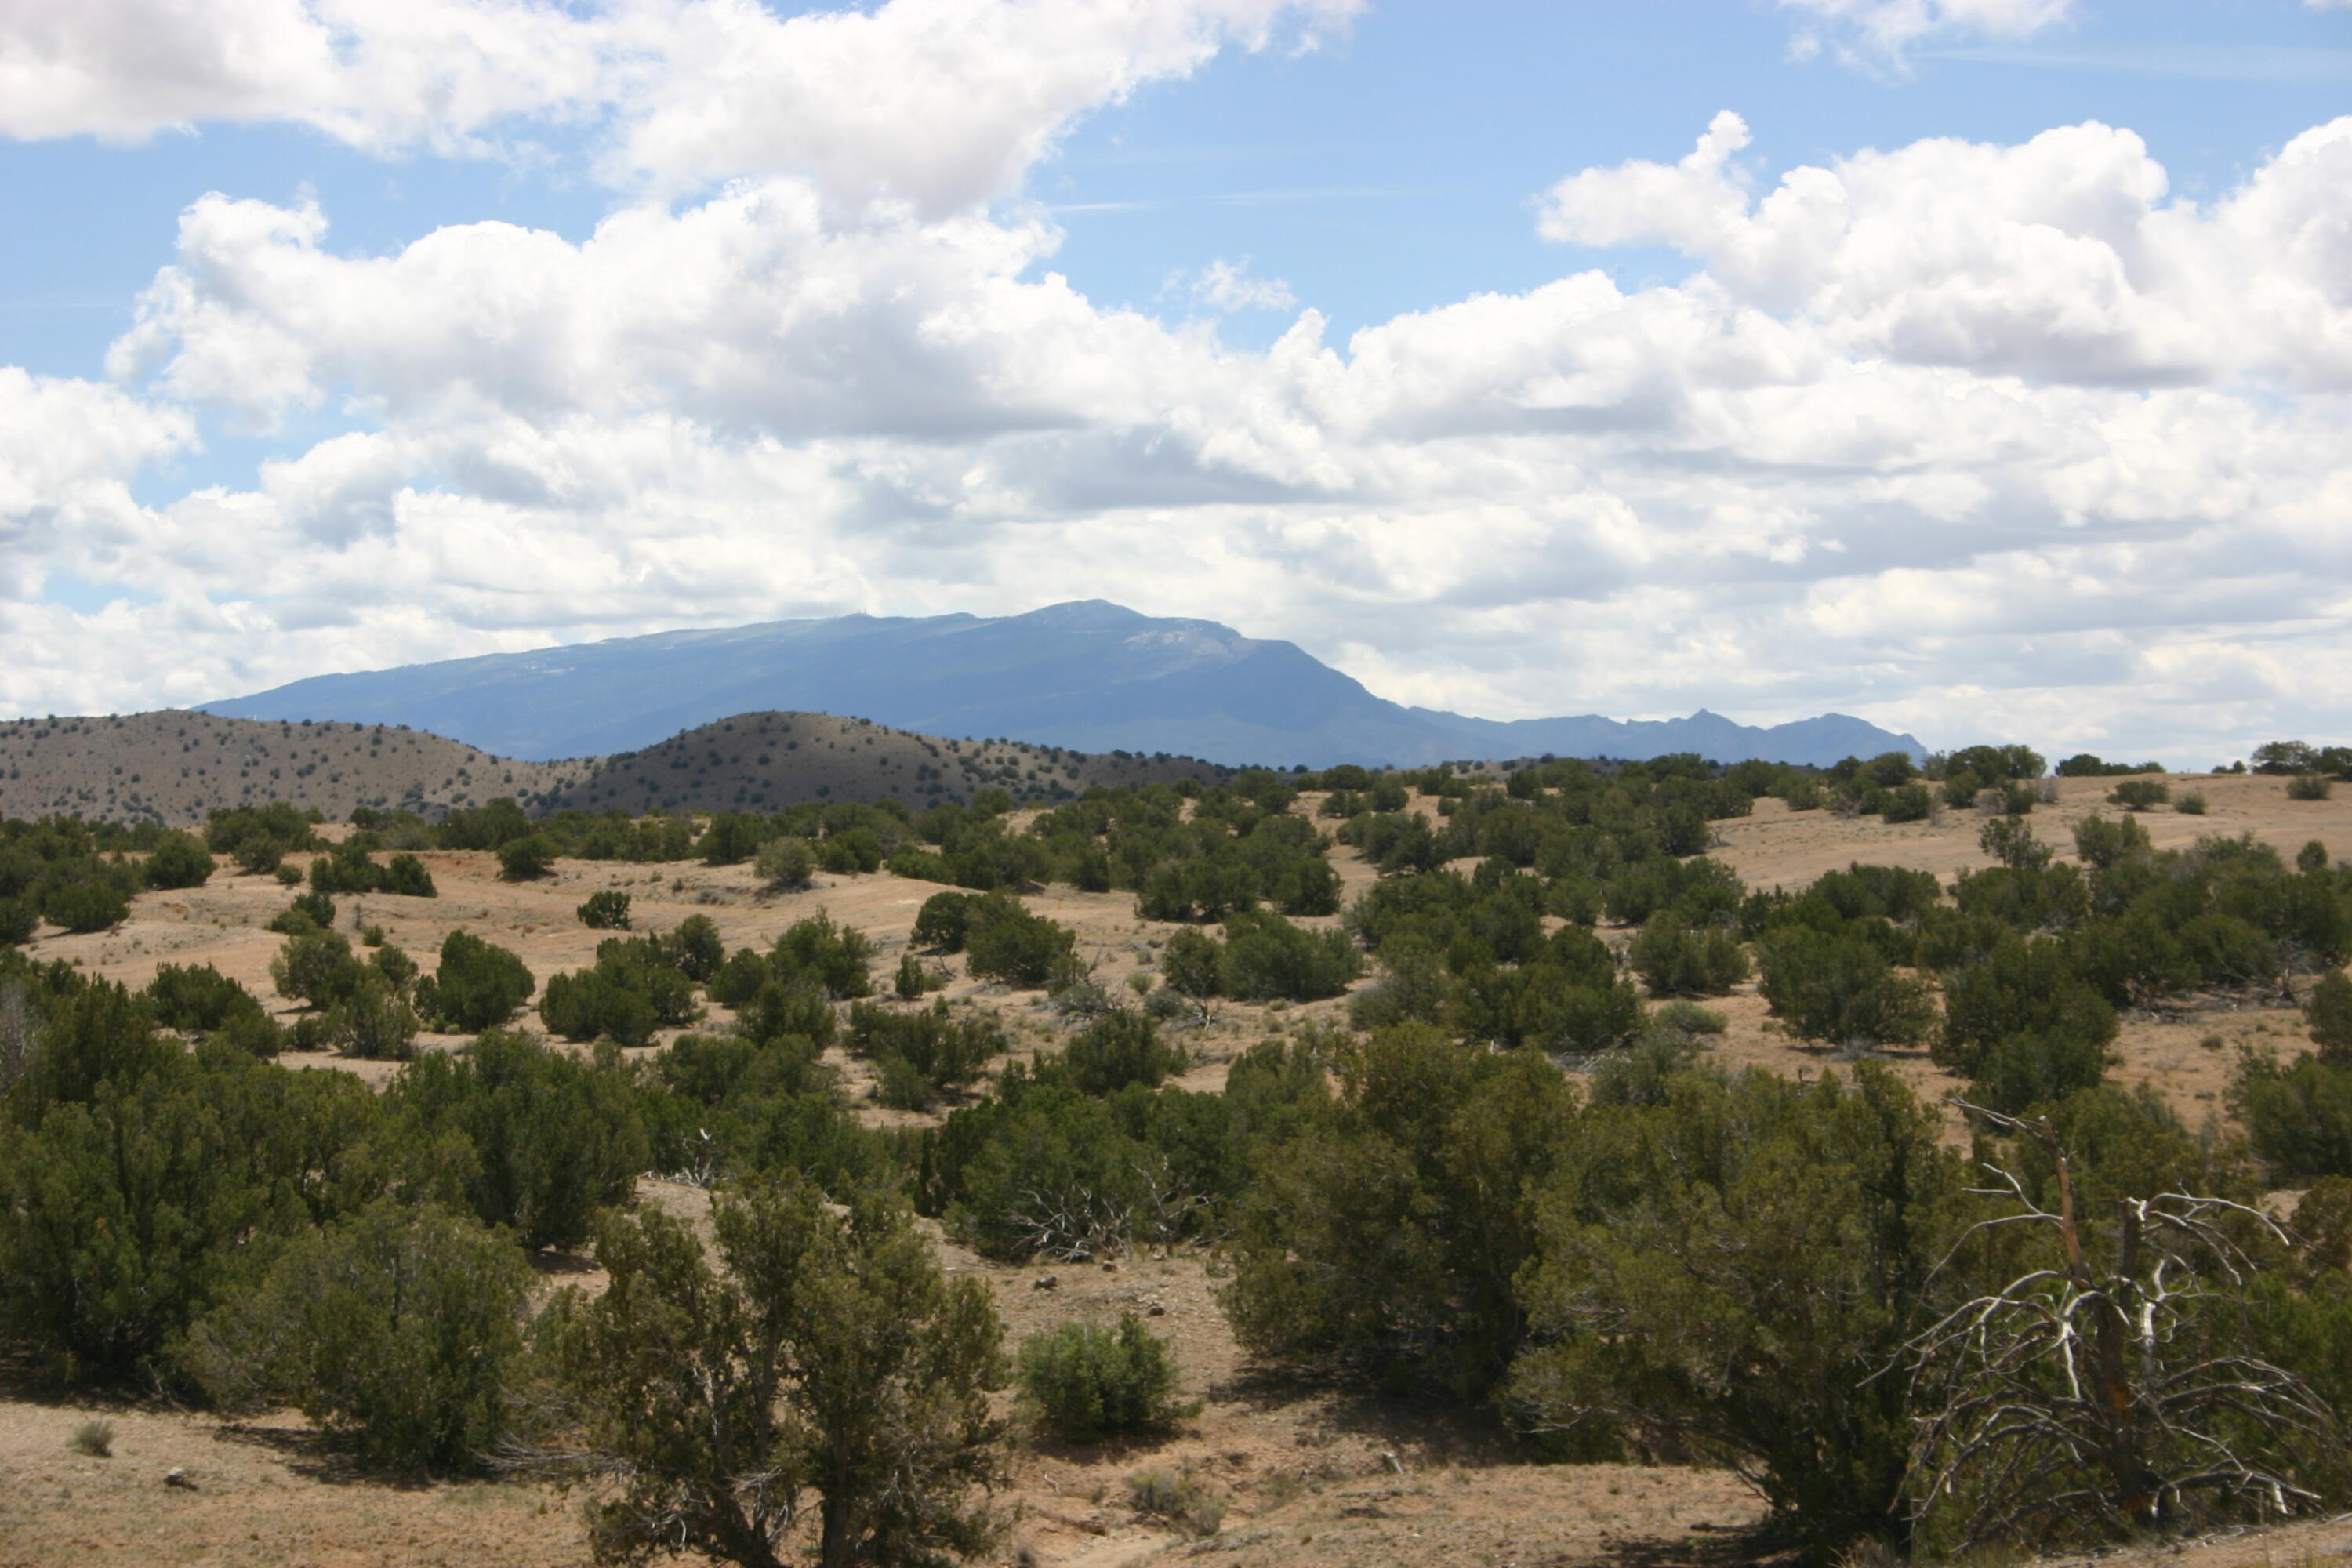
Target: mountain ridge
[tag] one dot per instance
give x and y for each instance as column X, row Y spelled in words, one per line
column 1086, row 674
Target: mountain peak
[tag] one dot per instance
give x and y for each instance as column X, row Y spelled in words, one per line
column 1086, row 674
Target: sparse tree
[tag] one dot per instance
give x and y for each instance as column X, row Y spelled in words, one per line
column 2110, row 1391
column 829, row 1356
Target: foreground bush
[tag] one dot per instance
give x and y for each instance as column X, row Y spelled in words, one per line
column 1383, row 1236
column 552, row 1139
column 828, row 1355
column 1737, row 1277
column 399, row 1326
column 1084, row 1382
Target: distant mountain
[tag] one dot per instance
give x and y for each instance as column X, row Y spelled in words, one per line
column 1089, row 675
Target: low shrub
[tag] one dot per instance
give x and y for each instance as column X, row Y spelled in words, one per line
column 1675, row 959
column 1084, row 1382
column 478, row 985
column 605, row 910
column 398, row 1327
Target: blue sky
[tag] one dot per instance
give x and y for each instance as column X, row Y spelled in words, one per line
column 1317, row 368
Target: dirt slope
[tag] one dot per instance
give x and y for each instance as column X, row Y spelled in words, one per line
column 173, row 766
column 758, row 762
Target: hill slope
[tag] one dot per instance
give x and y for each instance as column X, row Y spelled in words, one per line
column 1088, row 676
column 174, row 767
column 758, row 762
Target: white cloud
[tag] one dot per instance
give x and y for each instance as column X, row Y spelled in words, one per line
column 1961, row 436
column 939, row 103
column 1878, row 31
column 1226, row 287
column 2056, row 258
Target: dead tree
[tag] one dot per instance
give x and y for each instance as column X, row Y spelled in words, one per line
column 2085, row 1401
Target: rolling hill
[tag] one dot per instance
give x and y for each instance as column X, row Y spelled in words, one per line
column 1086, row 676
column 175, row 766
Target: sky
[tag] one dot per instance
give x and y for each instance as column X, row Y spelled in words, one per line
column 1982, row 368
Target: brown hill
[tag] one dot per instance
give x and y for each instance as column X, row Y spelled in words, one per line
column 173, row 766
column 760, row 762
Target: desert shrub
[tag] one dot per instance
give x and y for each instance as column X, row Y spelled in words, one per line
column 400, row 1325
column 1836, row 985
column 406, row 876
column 316, row 969
column 2139, row 793
column 2310, row 786
column 607, row 908
column 1005, row 942
column 2191, row 805
column 138, row 1179
column 1265, row 957
column 2012, row 841
column 2328, row 1014
column 258, row 837
column 1687, row 1018
column 309, row 911
column 834, row 958
column 695, row 947
column 86, row 905
column 1414, row 987
column 373, row 1020
column 1732, row 1265
column 2104, row 844
column 2024, row 1027
column 477, row 986
column 19, row 919
column 781, row 1011
column 1193, row 964
column 597, row 1004
column 1042, row 1168
column 2024, row 898
column 1384, row 1234
column 942, row 922
column 1906, row 802
column 829, row 1354
column 858, row 849
column 1118, row 1049
column 1675, row 959
column 552, row 1139
column 199, row 999
column 2298, row 1118
column 526, row 858
column 920, row 1053
column 178, row 860
column 1083, row 1382
column 786, row 864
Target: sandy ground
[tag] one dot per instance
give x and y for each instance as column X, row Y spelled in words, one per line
column 1302, row 1474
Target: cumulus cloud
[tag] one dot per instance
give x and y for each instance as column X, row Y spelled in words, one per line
column 1960, row 436
column 2057, row 258
column 938, row 104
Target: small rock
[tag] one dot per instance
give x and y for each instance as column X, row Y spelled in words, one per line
column 1044, row 1282
column 176, row 1477
column 1109, row 1268
column 1155, row 1310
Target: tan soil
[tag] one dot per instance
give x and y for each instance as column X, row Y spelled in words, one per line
column 1306, row 1474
